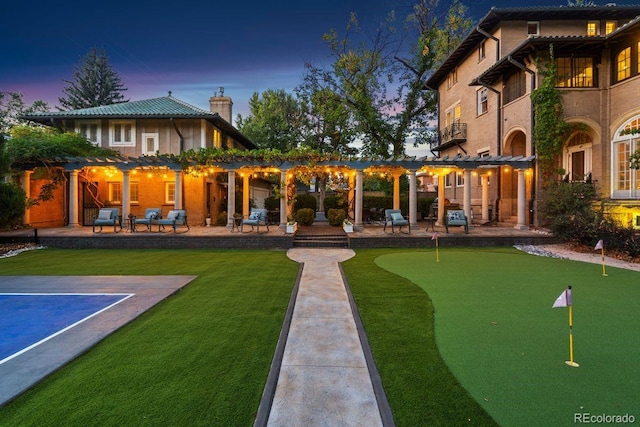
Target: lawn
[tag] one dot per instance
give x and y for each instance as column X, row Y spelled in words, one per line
column 201, row 357
column 467, row 340
column 497, row 333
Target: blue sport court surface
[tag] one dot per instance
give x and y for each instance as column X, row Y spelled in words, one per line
column 27, row 320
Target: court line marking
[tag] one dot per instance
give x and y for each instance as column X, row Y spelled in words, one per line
column 24, row 350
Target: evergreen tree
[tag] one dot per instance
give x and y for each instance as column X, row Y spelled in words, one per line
column 95, row 83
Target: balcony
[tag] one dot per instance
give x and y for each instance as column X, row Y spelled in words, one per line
column 452, row 135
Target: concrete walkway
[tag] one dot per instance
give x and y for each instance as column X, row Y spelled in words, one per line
column 325, row 375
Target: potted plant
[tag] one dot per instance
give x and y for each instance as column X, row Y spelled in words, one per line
column 347, row 226
column 292, row 226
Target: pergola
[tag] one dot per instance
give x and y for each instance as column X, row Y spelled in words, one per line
column 353, row 168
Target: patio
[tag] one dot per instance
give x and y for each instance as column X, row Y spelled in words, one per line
column 219, row 237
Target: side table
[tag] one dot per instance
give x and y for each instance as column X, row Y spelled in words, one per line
column 132, row 223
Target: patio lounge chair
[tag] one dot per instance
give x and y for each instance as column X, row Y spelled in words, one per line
column 174, row 218
column 257, row 217
column 150, row 215
column 395, row 219
column 107, row 216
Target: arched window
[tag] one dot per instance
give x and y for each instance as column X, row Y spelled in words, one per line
column 623, row 64
column 577, row 158
column 625, row 182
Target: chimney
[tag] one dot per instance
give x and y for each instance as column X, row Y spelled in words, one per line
column 221, row 104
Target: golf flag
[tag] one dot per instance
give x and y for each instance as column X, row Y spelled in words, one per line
column 599, row 245
column 435, row 237
column 564, row 300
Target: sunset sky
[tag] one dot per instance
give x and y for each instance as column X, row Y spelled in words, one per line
column 190, row 48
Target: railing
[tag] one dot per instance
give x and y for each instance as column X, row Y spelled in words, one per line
column 455, row 132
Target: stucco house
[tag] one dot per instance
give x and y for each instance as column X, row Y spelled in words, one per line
column 141, row 132
column 484, row 89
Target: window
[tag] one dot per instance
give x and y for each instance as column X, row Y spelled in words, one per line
column 150, row 143
column 625, row 182
column 533, row 28
column 623, row 64
column 452, row 115
column 575, row 72
column 133, row 192
column 481, row 51
column 610, row 26
column 122, row 133
column 90, row 130
column 577, row 159
column 459, row 179
column 115, row 192
column 447, row 180
column 169, row 192
column 217, row 139
column 452, row 79
column 483, row 105
column 514, row 87
column 593, row 28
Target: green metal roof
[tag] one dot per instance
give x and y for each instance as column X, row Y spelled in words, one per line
column 165, row 107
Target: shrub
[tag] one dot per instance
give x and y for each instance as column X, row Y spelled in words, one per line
column 272, row 203
column 13, row 204
column 305, row 216
column 305, row 201
column 336, row 216
column 221, row 219
column 335, row 202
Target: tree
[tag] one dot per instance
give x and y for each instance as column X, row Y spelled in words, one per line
column 37, row 148
column 274, row 121
column 95, row 83
column 382, row 82
column 13, row 107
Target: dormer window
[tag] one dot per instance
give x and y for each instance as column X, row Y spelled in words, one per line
column 533, row 28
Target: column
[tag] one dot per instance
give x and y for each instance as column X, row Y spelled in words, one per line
column 522, row 201
column 484, row 179
column 358, row 204
column 178, row 196
column 352, row 192
column 283, row 198
column 467, row 194
column 245, row 194
column 440, row 199
column 126, row 195
column 396, row 191
column 26, row 187
column 73, row 199
column 231, row 197
column 413, row 199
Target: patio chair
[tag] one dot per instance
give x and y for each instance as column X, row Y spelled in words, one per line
column 150, row 215
column 395, row 219
column 107, row 216
column 257, row 217
column 174, row 218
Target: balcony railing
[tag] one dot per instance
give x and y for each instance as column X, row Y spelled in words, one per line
column 457, row 132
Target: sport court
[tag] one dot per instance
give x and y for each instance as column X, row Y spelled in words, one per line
column 49, row 320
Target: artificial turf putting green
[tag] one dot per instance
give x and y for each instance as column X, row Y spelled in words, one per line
column 498, row 334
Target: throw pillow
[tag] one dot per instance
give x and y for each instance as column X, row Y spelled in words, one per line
column 254, row 215
column 104, row 214
column 173, row 215
column 152, row 215
column 396, row 216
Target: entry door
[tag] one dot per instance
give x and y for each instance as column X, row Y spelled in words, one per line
column 150, row 143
